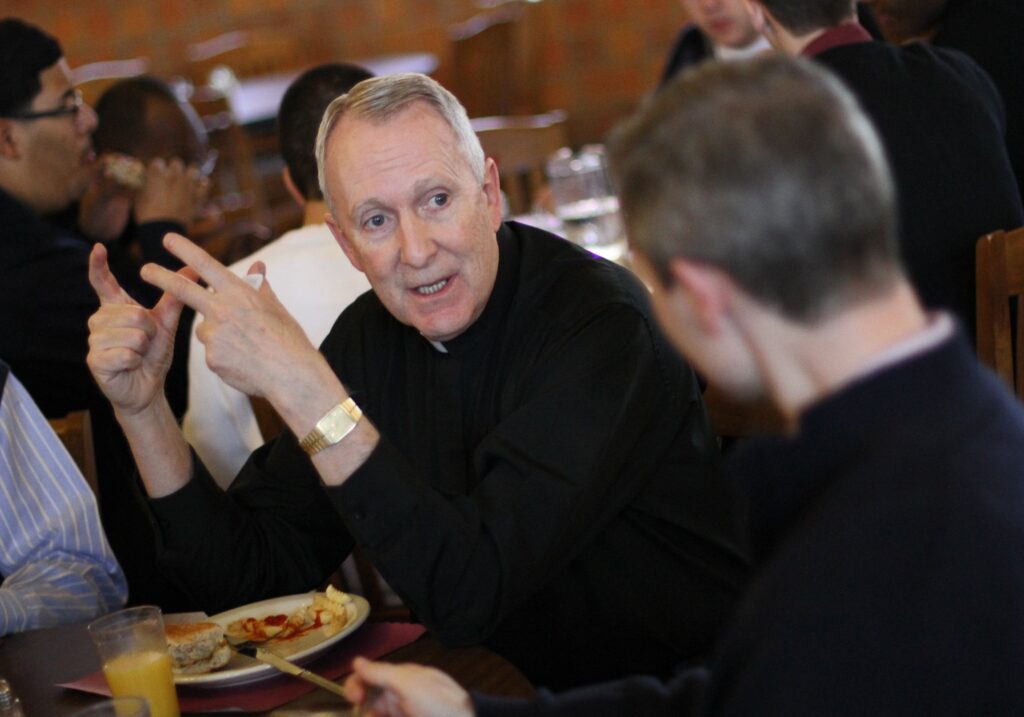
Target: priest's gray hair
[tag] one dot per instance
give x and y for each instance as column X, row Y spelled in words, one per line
column 378, row 99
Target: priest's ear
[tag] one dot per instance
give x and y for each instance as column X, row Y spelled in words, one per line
column 343, row 241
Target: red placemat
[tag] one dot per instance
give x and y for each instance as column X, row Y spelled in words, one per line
column 371, row 640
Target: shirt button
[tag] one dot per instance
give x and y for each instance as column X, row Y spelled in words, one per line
column 358, row 515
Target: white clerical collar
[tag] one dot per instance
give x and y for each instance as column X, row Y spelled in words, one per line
column 437, row 345
column 741, row 53
column 939, row 328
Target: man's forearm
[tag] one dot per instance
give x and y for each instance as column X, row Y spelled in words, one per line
column 160, row 451
column 304, row 401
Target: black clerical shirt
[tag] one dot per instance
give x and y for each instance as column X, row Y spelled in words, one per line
column 547, row 486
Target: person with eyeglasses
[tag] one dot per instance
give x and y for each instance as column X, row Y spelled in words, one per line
column 47, row 164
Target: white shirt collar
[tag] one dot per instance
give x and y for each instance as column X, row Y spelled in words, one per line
column 938, row 329
column 741, row 53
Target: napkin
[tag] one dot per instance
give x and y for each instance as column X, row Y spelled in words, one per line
column 372, row 640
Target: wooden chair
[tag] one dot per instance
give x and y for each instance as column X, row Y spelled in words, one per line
column 492, row 71
column 999, row 274
column 93, row 79
column 75, row 432
column 357, row 574
column 237, row 191
column 521, row 145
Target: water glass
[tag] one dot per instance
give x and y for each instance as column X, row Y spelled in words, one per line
column 584, row 200
column 133, row 649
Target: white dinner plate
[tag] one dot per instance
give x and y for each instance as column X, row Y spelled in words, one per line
column 299, row 650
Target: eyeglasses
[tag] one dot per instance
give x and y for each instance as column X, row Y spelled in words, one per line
column 70, row 106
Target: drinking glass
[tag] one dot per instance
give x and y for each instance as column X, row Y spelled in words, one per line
column 584, row 200
column 133, row 650
column 117, row 707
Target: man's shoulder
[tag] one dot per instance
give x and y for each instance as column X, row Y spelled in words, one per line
column 554, row 269
column 887, row 77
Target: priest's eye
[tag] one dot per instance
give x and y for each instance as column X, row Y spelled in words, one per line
column 376, row 221
column 439, row 200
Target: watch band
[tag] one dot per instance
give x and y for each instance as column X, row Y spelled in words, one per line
column 332, row 427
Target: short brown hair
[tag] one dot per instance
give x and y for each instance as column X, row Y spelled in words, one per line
column 768, row 170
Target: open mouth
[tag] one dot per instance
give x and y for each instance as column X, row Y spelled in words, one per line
column 428, row 289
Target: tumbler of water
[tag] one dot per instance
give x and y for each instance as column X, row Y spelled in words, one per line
column 584, row 201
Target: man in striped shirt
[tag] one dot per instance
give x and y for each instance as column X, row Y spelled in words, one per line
column 55, row 563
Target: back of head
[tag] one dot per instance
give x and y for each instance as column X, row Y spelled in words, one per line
column 379, row 99
column 298, row 120
column 804, row 16
column 142, row 117
column 25, row 51
column 769, row 171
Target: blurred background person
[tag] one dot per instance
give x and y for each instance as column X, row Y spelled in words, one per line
column 942, row 124
column 55, row 564
column 719, row 29
column 311, row 278
column 47, row 163
column 154, row 160
column 990, row 31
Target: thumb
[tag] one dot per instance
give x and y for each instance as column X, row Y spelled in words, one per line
column 381, row 674
column 103, row 281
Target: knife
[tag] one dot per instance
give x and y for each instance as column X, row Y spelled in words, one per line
column 284, row 666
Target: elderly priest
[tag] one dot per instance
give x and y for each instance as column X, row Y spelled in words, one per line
column 498, row 424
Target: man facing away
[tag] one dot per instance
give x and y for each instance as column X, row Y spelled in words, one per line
column 887, row 527
column 55, row 564
column 497, row 424
column 310, row 277
column 942, row 125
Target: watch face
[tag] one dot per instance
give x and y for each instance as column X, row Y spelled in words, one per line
column 335, row 425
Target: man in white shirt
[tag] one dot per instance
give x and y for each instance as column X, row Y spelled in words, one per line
column 311, row 276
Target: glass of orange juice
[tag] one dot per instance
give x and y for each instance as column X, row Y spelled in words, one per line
column 133, row 651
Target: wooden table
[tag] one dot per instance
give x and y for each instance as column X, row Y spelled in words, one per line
column 35, row 662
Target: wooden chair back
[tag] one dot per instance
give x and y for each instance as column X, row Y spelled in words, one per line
column 236, row 189
column 492, row 63
column 93, row 79
column 999, row 275
column 521, row 146
column 75, row 432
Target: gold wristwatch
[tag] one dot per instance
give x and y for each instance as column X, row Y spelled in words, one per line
column 335, row 425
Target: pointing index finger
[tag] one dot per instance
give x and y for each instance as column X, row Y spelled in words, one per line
column 215, row 274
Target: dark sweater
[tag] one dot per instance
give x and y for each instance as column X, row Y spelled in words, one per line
column 888, row 536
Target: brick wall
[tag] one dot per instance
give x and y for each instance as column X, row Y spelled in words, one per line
column 597, row 58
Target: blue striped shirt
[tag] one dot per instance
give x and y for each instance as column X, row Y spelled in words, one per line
column 54, row 558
